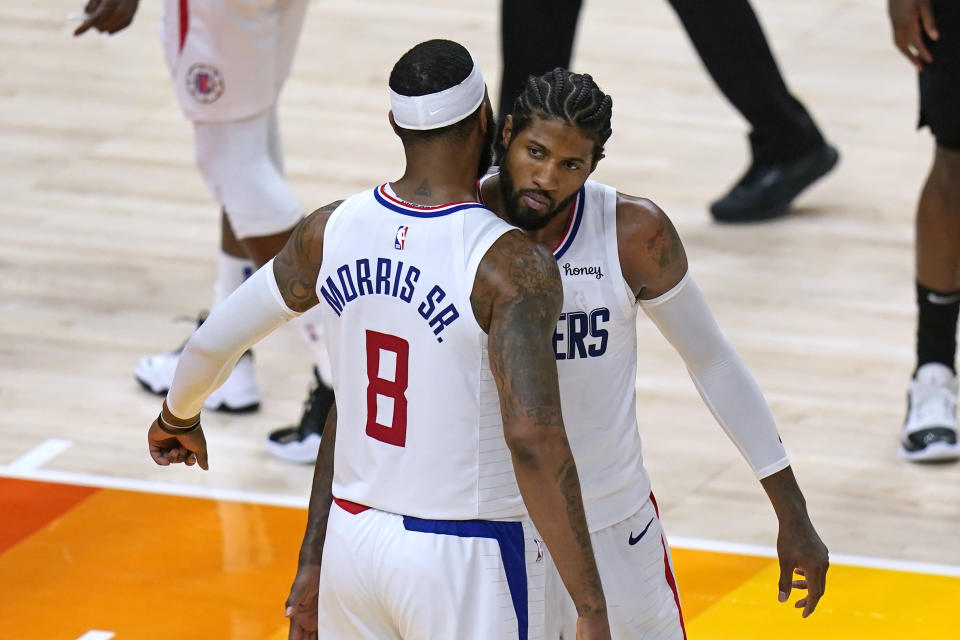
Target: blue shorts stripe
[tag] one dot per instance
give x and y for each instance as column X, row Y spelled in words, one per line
column 509, row 535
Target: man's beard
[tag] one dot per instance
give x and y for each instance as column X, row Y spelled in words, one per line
column 524, row 217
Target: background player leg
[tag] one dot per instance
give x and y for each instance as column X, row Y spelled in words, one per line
column 536, row 36
column 930, row 429
column 260, row 209
column 234, row 265
column 789, row 152
column 240, row 393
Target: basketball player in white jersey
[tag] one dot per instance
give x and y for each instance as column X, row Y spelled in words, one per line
column 617, row 254
column 228, row 60
column 447, row 397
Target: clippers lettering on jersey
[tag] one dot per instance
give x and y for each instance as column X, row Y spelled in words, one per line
column 388, row 278
column 578, row 273
column 581, row 335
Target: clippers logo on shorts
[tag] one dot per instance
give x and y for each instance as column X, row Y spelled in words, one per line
column 204, row 83
column 401, row 240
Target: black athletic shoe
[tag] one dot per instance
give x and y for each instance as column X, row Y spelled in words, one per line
column 302, row 442
column 766, row 190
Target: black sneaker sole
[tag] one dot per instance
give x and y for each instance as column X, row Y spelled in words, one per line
column 149, row 390
column 938, row 452
column 223, row 408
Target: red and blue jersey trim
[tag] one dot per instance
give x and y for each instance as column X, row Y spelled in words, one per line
column 184, row 22
column 572, row 226
column 399, row 206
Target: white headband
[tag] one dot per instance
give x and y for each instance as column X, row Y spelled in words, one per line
column 436, row 110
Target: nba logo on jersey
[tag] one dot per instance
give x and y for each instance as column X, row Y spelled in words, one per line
column 401, row 239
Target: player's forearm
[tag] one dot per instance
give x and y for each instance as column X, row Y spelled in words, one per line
column 321, row 495
column 786, row 497
column 251, row 312
column 548, row 481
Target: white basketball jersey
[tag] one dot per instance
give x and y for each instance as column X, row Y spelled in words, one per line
column 596, row 348
column 419, row 431
column 595, row 344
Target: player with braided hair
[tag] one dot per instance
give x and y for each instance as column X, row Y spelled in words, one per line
column 618, row 253
column 579, row 101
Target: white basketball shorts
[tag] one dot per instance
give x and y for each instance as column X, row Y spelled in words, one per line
column 391, row 577
column 229, row 58
column 637, row 574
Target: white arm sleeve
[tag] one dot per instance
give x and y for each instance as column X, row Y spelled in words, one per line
column 727, row 388
column 251, row 312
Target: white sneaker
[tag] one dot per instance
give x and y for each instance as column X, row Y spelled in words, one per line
column 238, row 394
column 930, row 429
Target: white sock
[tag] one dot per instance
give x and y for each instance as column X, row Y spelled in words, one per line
column 231, row 272
column 311, row 331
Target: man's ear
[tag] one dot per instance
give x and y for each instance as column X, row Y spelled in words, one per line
column 507, row 130
column 484, row 118
column 393, row 123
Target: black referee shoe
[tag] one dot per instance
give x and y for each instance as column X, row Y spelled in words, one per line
column 766, row 190
column 301, row 443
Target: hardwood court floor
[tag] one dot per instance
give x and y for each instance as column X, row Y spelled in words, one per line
column 107, row 234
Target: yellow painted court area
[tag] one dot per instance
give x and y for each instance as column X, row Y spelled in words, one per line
column 145, row 566
column 863, row 603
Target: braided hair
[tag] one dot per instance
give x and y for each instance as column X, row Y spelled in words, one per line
column 564, row 95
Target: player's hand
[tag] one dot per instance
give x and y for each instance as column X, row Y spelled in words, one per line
column 166, row 449
column 107, row 16
column 593, row 627
column 908, row 17
column 302, row 603
column 800, row 550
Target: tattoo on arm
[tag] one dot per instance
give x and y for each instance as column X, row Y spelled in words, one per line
column 298, row 263
column 525, row 307
column 652, row 257
column 517, row 298
column 666, row 247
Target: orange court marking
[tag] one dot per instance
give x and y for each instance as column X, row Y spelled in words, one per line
column 151, row 567
column 28, row 506
column 145, row 566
